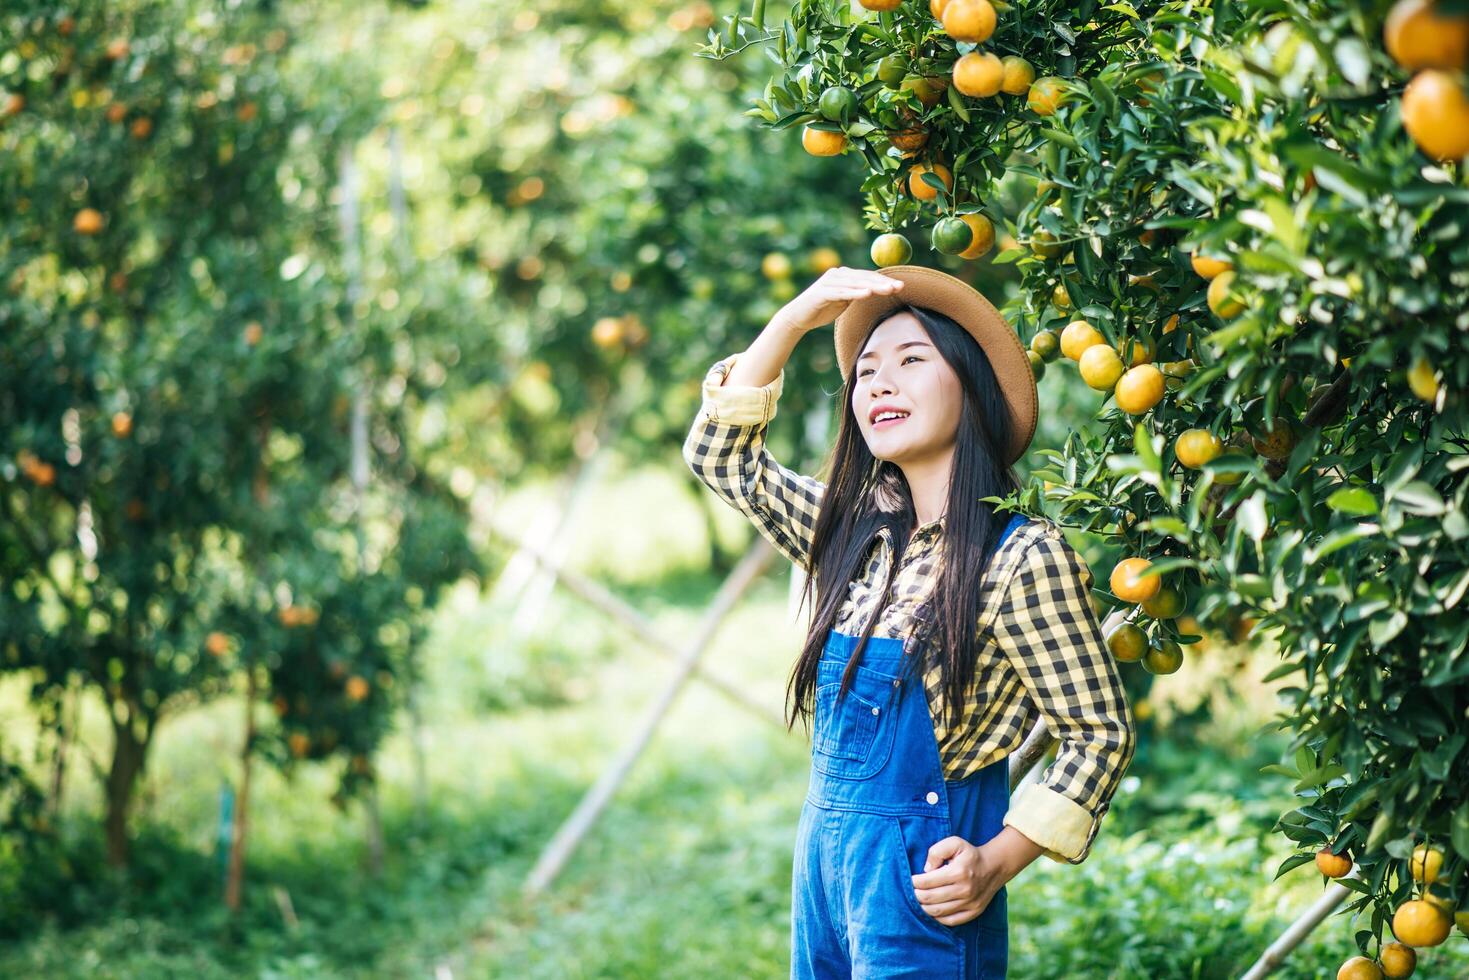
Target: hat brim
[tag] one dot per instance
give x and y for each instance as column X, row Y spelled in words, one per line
column 967, row 307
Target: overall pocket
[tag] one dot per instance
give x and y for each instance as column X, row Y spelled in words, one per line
column 853, row 735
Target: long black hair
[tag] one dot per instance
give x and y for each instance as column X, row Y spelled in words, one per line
column 849, row 518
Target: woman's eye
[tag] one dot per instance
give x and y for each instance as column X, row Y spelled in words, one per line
column 911, row 357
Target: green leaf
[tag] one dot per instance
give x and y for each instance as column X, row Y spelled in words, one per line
column 1419, row 497
column 1294, row 861
column 1142, row 439
column 1355, row 501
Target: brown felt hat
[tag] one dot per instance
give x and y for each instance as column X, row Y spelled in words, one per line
column 967, row 307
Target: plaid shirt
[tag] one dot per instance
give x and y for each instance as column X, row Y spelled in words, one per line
column 1041, row 649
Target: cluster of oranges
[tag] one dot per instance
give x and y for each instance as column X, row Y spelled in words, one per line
column 1435, row 108
column 1133, row 581
column 37, row 470
column 1418, row 922
column 292, row 616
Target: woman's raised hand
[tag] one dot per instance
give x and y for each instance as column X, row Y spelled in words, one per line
column 825, row 299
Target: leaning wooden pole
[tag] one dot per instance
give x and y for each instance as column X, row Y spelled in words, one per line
column 235, row 883
column 555, row 855
column 623, row 614
column 1276, row 953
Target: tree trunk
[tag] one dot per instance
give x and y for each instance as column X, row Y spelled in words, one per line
column 234, row 884
column 129, row 751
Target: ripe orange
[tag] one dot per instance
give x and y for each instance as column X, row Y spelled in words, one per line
column 253, row 332
column 1139, row 389
column 1417, row 36
column 969, row 20
column 1077, row 336
column 1046, row 95
column 1332, row 865
column 1398, row 961
column 217, row 644
column 1225, row 304
column 880, row 4
column 1128, row 643
column 984, row 235
column 1209, row 267
column 1359, row 968
column 1100, row 366
column 11, row 104
column 1436, row 114
column 928, row 90
column 141, row 128
column 1019, row 74
column 1420, row 923
column 920, row 188
column 1044, row 244
column 1167, row 604
column 823, row 259
column 1422, row 379
column 118, row 48
column 979, row 73
column 300, row 744
column 607, row 332
column 88, row 221
column 1195, row 447
column 1137, row 351
column 122, row 424
column 775, row 265
column 890, row 249
column 1061, row 297
column 822, row 142
column 1132, row 582
column 357, row 688
column 936, row 7
column 1426, row 863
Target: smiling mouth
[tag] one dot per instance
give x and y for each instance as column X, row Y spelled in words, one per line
column 885, row 423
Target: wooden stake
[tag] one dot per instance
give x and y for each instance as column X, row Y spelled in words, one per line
column 234, row 884
column 1276, row 953
column 555, row 855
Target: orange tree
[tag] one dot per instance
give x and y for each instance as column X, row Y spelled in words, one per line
column 1248, row 233
column 176, row 519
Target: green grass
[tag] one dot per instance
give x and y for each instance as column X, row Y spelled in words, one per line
column 688, row 872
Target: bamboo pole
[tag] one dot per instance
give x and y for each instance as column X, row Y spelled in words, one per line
column 624, row 615
column 1277, row 951
column 556, row 853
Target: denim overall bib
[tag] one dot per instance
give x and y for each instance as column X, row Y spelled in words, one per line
column 876, row 801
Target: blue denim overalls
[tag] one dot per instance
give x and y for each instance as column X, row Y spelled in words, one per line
column 876, row 802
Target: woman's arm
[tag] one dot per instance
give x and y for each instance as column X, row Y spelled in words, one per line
column 725, row 448
column 1050, row 635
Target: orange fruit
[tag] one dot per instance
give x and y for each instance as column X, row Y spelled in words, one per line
column 1426, row 863
column 1138, row 351
column 253, row 332
column 1037, row 364
column 357, row 688
column 1416, row 35
column 1139, row 389
column 1225, row 304
column 984, row 235
column 1209, row 267
column 909, row 140
column 217, row 644
column 1046, row 344
column 141, row 128
column 775, row 265
column 1436, row 114
column 1332, row 865
column 1100, row 366
column 920, row 189
column 1167, row 604
column 1195, row 447
column 1061, row 297
column 607, row 332
column 890, row 249
column 1420, row 923
column 824, row 259
column 1359, row 968
column 1077, row 336
column 1165, row 657
column 1044, row 244
column 11, row 103
column 928, row 90
column 936, row 7
column 1019, row 74
column 88, row 221
column 1398, row 961
column 880, row 4
column 118, row 48
column 822, row 142
column 1131, row 581
column 1046, row 95
column 969, row 20
column 122, row 424
column 300, row 744
column 1128, row 643
column 979, row 74
column 1277, row 443
column 1422, row 379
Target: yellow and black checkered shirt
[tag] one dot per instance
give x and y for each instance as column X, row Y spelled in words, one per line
column 1041, row 648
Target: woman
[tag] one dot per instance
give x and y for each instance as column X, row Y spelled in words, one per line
column 943, row 627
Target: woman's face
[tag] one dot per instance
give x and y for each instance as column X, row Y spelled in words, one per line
column 900, row 369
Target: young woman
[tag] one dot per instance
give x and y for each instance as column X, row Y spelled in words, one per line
column 943, row 627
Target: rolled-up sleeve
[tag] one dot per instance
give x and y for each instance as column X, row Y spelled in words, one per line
column 726, row 450
column 1051, row 638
